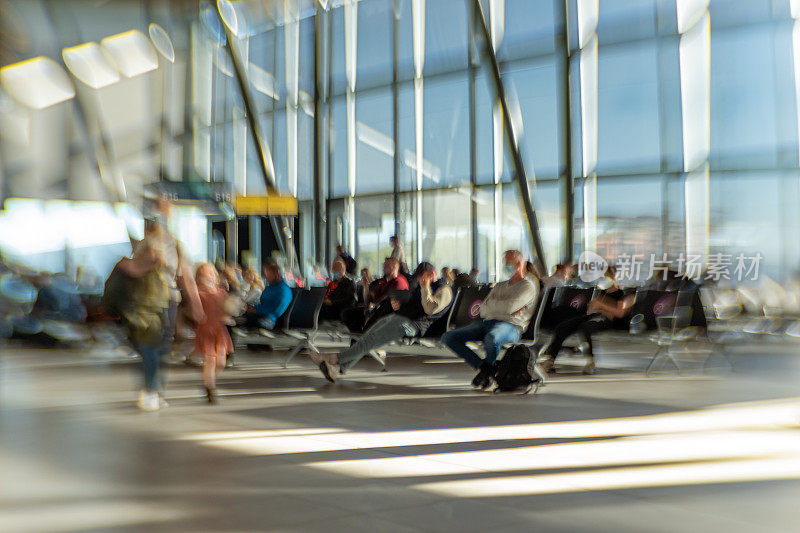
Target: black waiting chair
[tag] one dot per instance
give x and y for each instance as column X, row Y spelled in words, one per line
column 303, row 319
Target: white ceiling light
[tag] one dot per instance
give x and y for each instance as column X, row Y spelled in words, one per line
column 88, row 63
column 38, row 83
column 162, row 42
column 132, row 52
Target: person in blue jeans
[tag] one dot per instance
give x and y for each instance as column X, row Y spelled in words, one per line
column 505, row 314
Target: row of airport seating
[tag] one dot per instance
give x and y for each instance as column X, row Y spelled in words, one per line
column 666, row 317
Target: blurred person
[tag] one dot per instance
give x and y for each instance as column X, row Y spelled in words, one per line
column 505, row 314
column 414, row 312
column 341, row 293
column 611, row 308
column 274, row 300
column 212, row 339
column 462, row 281
column 362, row 289
column 358, row 318
column 350, row 264
column 252, row 286
column 399, row 253
column 473, row 274
column 562, row 275
column 445, row 273
column 149, row 314
column 456, row 272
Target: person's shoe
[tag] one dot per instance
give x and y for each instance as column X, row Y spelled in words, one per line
column 590, row 369
column 162, row 403
column 148, row 400
column 381, row 356
column 211, row 395
column 549, row 365
column 483, row 379
column 229, row 363
column 266, row 333
column 329, row 370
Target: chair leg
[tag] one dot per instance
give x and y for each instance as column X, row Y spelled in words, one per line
column 653, row 360
column 721, row 351
column 294, row 352
column 674, row 361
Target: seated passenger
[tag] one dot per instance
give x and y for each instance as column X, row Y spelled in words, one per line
column 610, row 309
column 414, row 313
column 341, row 293
column 505, row 314
column 275, row 299
column 358, row 318
column 350, row 264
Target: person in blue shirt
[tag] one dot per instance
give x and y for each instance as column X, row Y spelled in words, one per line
column 275, row 298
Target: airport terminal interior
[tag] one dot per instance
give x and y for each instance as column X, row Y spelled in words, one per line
column 399, row 265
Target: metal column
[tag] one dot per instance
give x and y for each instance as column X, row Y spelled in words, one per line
column 565, row 109
column 319, row 204
column 395, row 14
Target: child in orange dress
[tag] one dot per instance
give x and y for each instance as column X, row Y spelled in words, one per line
column 212, row 339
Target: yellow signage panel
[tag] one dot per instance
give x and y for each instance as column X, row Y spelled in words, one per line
column 266, row 205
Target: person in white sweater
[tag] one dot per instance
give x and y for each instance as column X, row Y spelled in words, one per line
column 505, row 314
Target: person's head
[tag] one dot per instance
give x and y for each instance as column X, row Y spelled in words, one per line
column 249, row 275
column 513, row 264
column 365, row 273
column 456, row 272
column 445, row 273
column 393, row 240
column 426, row 270
column 337, row 269
column 207, row 275
column 391, row 268
column 272, row 273
column 474, row 274
column 339, row 249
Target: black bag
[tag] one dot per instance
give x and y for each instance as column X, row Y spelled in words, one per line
column 516, row 370
column 117, row 292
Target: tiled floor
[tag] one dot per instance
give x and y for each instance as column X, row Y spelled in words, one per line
column 413, row 449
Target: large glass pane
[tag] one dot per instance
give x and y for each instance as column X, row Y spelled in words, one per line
column 626, row 20
column 374, row 144
column 629, row 217
column 374, row 43
column 446, row 234
column 514, row 224
column 446, row 131
column 374, row 226
column 628, row 124
column 756, row 213
column 528, row 29
column 744, row 114
column 445, row 36
column 534, row 83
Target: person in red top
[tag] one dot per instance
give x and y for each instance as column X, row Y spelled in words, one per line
column 358, row 319
column 391, row 280
column 212, row 340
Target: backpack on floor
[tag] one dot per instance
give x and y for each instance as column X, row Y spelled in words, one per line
column 516, row 370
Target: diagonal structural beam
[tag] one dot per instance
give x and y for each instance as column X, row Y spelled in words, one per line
column 513, row 141
column 284, row 233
